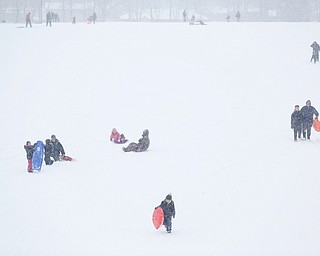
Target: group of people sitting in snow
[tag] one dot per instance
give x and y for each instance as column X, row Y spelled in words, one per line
column 142, row 145
column 53, row 151
column 302, row 121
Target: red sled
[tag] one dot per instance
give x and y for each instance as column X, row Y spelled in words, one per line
column 316, row 124
column 158, row 217
column 67, row 158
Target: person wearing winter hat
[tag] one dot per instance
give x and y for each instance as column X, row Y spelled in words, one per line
column 57, row 148
column 115, row 135
column 296, row 123
column 167, row 205
column 142, row 145
column 48, row 148
column 29, row 150
column 307, row 113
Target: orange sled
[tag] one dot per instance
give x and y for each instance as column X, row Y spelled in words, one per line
column 316, row 124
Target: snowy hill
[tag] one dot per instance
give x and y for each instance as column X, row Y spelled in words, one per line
column 217, row 101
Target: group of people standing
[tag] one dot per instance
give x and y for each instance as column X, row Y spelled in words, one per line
column 53, row 149
column 302, row 121
column 54, row 17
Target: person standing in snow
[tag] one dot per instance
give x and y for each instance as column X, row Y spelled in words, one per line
column 57, row 148
column 94, row 17
column 184, row 16
column 296, row 123
column 315, row 52
column 167, row 205
column 28, row 19
column 308, row 112
column 29, row 149
column 238, row 16
column 49, row 18
column 74, row 20
column 142, row 145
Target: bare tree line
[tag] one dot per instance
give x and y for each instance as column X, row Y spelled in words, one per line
column 162, row 10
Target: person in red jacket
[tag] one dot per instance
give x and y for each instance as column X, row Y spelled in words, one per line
column 115, row 135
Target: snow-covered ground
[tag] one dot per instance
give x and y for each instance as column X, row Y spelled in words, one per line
column 217, row 101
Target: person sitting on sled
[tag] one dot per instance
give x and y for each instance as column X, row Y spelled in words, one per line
column 116, row 137
column 142, row 145
column 29, row 149
column 167, row 205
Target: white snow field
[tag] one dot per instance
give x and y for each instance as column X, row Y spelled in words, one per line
column 217, row 101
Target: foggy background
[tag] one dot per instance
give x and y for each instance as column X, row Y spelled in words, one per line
column 14, row 11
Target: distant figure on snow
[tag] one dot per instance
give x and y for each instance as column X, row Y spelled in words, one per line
column 49, row 18
column 57, row 149
column 116, row 137
column 29, row 150
column 184, row 14
column 94, row 17
column 167, row 205
column 74, row 20
column 296, row 123
column 48, row 150
column 228, row 18
column 28, row 19
column 192, row 20
column 315, row 52
column 142, row 145
column 238, row 16
column 308, row 112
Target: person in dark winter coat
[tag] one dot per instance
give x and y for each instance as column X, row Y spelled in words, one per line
column 57, row 148
column 167, row 205
column 28, row 19
column 315, row 52
column 49, row 18
column 48, row 149
column 238, row 16
column 29, row 149
column 308, row 112
column 142, row 145
column 296, row 122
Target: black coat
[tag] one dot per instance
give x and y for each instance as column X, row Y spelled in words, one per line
column 29, row 150
column 307, row 114
column 296, row 119
column 168, row 209
column 48, row 149
column 143, row 144
column 57, row 148
column 315, row 47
